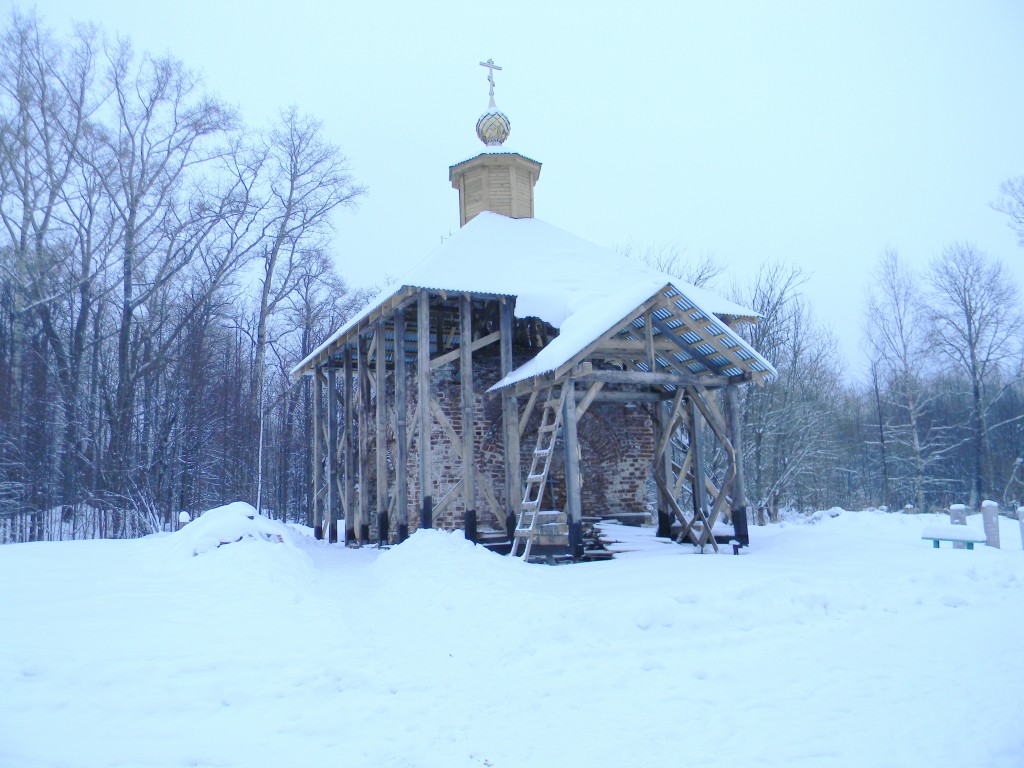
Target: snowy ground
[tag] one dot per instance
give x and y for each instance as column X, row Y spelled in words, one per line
column 847, row 642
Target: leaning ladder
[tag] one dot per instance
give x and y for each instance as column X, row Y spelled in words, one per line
column 540, row 466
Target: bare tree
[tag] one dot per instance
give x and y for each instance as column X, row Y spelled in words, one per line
column 790, row 446
column 976, row 324
column 1011, row 202
column 307, row 179
column 673, row 260
column 897, row 333
column 44, row 109
column 162, row 129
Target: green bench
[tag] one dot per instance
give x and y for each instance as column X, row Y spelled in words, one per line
column 957, row 534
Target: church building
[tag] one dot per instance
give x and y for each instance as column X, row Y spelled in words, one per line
column 520, row 382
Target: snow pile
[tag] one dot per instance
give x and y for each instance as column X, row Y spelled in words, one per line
column 848, row 643
column 228, row 524
column 439, row 555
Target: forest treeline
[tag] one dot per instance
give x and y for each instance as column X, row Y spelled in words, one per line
column 163, row 266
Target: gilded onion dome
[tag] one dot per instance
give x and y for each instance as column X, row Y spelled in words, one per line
column 493, row 128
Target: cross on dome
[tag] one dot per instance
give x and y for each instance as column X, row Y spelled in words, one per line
column 491, row 66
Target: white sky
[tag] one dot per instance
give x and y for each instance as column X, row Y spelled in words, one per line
column 814, row 132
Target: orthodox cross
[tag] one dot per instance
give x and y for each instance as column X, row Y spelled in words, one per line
column 491, row 66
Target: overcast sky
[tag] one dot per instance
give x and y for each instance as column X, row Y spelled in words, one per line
column 817, row 133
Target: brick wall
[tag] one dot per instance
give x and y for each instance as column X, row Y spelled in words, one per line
column 616, row 442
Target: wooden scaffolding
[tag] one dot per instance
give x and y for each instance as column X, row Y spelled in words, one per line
column 682, row 364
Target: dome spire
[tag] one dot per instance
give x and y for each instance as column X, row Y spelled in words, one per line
column 493, row 126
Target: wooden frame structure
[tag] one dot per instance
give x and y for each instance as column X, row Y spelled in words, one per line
column 680, row 363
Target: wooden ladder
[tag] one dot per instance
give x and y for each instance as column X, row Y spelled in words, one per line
column 540, row 466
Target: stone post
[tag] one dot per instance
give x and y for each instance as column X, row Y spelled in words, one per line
column 990, row 519
column 958, row 516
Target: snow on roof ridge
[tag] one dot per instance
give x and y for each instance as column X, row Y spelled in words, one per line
column 553, row 274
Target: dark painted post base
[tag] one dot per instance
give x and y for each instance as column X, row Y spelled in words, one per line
column 382, row 528
column 576, row 540
column 350, row 533
column 510, row 526
column 403, row 532
column 318, row 532
column 427, row 513
column 664, row 525
column 470, row 525
column 739, row 522
column 332, row 535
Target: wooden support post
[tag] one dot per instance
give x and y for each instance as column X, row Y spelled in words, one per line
column 363, row 375
column 696, row 439
column 423, row 406
column 466, row 376
column 330, row 529
column 510, row 420
column 574, row 509
column 348, row 448
column 663, row 466
column 317, row 470
column 402, row 448
column 739, row 493
column 380, row 386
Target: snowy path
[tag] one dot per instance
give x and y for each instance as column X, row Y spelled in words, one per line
column 846, row 643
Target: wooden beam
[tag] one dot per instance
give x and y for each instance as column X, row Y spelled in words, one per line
column 669, row 426
column 592, row 392
column 528, row 411
column 700, row 506
column 509, row 419
column 317, row 470
column 348, row 449
column 660, row 378
column 451, row 357
column 697, row 465
column 573, row 486
column 423, row 407
column 712, row 415
column 652, row 360
column 363, row 374
column 401, row 447
column 664, row 419
column 468, row 409
column 631, row 347
column 330, row 529
column 623, row 396
column 380, row 474
column 739, row 495
column 451, row 494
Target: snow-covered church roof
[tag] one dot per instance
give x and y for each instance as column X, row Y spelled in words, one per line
column 581, row 289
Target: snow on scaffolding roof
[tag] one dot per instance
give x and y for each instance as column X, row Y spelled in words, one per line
column 564, row 280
